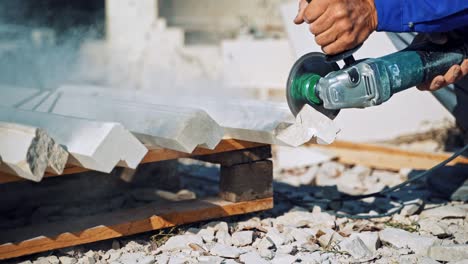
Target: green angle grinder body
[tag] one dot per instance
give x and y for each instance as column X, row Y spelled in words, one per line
column 302, row 81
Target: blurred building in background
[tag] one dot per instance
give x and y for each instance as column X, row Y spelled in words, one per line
column 210, row 47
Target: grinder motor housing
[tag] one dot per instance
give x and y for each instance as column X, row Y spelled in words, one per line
column 317, row 80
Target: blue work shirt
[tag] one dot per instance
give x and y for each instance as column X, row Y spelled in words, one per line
column 422, row 15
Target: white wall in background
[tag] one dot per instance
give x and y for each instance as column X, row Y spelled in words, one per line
column 129, row 20
column 259, row 64
column 221, row 15
column 404, row 113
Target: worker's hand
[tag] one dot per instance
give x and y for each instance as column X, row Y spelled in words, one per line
column 338, row 25
column 453, row 75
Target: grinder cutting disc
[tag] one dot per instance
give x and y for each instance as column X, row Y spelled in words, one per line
column 313, row 63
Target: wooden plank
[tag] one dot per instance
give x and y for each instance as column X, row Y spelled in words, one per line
column 156, row 155
column 36, row 239
column 243, row 156
column 224, row 146
column 386, row 158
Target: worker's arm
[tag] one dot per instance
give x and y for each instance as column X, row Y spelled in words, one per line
column 340, row 25
column 426, row 16
column 421, row 15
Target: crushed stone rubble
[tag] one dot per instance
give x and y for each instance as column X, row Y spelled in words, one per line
column 304, row 227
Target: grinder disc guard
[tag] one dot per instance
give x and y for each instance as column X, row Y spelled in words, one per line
column 315, row 63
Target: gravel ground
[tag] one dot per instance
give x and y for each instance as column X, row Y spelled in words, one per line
column 305, row 226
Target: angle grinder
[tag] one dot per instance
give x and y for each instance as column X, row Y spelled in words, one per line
column 317, row 80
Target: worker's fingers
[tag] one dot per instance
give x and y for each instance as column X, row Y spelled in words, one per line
column 424, row 86
column 464, row 67
column 323, row 23
column 300, row 14
column 344, row 42
column 437, row 83
column 453, row 74
column 334, row 32
column 328, row 37
column 315, row 9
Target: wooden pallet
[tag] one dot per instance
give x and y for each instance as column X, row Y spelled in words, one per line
column 156, row 155
column 246, row 185
column 36, row 239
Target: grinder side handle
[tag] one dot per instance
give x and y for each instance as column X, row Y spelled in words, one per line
column 419, row 64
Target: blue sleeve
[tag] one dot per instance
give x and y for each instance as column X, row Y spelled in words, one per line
column 421, row 15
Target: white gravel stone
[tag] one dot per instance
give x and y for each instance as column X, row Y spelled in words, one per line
column 276, row 237
column 249, row 224
column 432, row 226
column 283, row 259
column 86, row 260
column 131, row 258
column 181, row 259
column 162, row 258
column 41, row 260
column 295, row 219
column 311, row 258
column 328, row 173
column 230, row 261
column 266, row 253
column 67, row 260
column 112, row 255
column 210, row 260
column 181, row 242
column 449, row 253
column 265, row 243
column 219, row 226
column 399, row 238
column 208, row 235
column 91, row 254
column 427, row 260
column 461, row 236
column 302, row 219
column 223, row 237
column 267, row 222
column 133, row 246
column 146, row 260
column 252, row 258
column 302, row 235
column 412, row 207
column 351, row 181
column 442, row 212
column 305, row 178
column 285, row 249
column 247, row 249
column 309, row 247
column 458, row 262
column 243, row 238
column 355, row 247
column 329, row 238
column 52, row 260
column 225, row 251
column 385, row 178
column 370, row 239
